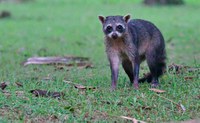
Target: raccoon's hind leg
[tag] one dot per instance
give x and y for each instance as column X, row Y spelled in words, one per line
column 127, row 65
column 156, row 62
column 147, row 77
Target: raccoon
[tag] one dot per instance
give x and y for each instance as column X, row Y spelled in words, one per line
column 130, row 42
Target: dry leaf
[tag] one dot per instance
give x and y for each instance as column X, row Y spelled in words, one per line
column 45, row 93
column 19, row 84
column 6, row 93
column 61, row 67
column 3, row 85
column 146, row 108
column 183, row 107
column 84, row 87
column 157, row 90
column 187, row 78
column 81, row 87
column 53, row 117
column 179, row 69
column 180, row 107
column 19, row 93
column 119, row 103
column 48, row 78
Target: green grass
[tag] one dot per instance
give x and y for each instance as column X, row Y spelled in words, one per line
column 68, row 27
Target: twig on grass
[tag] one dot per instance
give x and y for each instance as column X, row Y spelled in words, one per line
column 132, row 119
column 123, row 117
column 177, row 104
column 157, row 90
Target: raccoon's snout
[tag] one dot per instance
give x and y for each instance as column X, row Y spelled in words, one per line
column 114, row 36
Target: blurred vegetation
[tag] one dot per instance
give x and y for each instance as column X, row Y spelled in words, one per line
column 163, row 2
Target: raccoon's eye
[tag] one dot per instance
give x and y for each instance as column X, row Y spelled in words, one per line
column 109, row 29
column 120, row 28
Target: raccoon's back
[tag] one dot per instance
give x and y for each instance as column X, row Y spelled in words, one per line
column 143, row 25
column 145, row 35
column 143, row 30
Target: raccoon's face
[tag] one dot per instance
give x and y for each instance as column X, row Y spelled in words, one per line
column 114, row 26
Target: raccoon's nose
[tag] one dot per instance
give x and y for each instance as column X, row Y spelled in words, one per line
column 114, row 36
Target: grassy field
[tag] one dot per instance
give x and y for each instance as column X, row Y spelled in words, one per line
column 68, row 27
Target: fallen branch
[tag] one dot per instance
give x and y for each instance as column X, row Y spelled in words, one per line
column 67, row 61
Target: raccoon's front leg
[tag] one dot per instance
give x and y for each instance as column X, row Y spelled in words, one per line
column 134, row 58
column 136, row 67
column 114, row 66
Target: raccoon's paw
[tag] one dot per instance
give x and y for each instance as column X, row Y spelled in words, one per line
column 113, row 87
column 136, row 86
column 154, row 84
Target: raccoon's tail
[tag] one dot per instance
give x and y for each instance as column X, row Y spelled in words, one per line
column 161, row 68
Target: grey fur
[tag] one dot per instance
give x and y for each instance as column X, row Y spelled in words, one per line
column 138, row 41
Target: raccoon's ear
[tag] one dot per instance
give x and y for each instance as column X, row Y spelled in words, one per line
column 102, row 19
column 127, row 18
